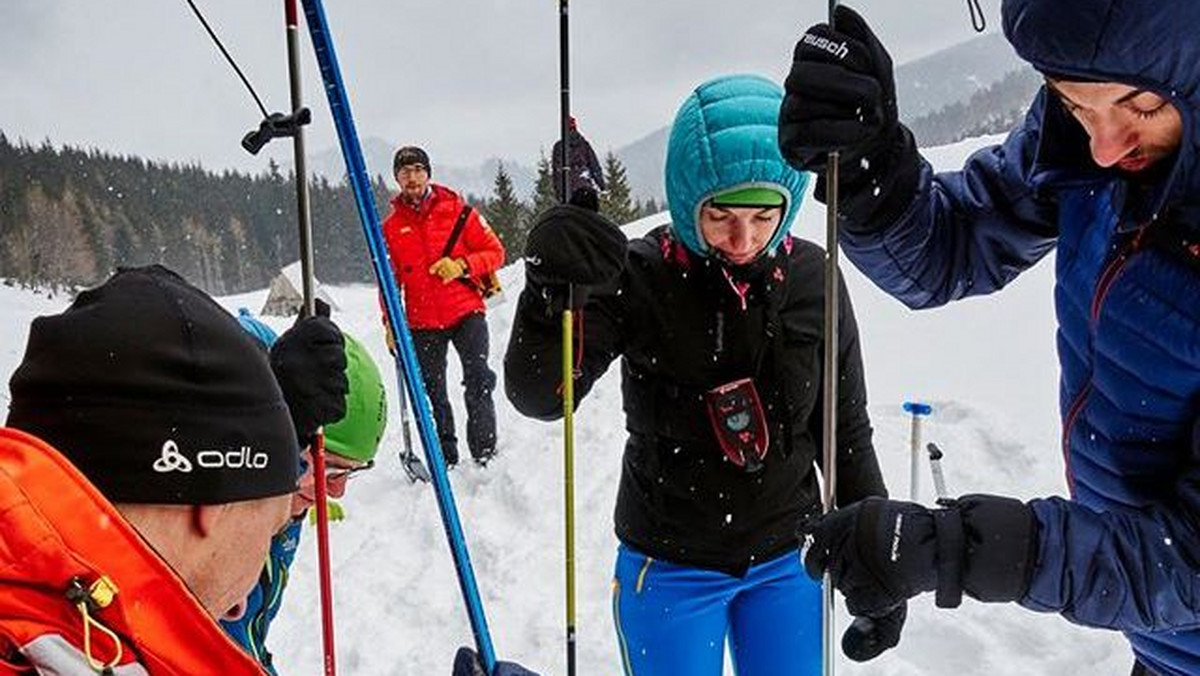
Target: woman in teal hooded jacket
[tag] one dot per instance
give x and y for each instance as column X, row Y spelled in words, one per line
column 718, row 321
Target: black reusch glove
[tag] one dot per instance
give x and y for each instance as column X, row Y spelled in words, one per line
column 839, row 95
column 868, row 637
column 309, row 362
column 573, row 245
column 880, row 553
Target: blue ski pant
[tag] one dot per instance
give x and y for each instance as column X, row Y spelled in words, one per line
column 674, row 620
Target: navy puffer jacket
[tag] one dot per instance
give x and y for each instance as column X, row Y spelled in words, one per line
column 1124, row 552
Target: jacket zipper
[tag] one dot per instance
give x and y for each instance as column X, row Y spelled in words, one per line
column 1109, row 276
column 1111, row 272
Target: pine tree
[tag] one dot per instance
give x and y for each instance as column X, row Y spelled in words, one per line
column 544, row 196
column 616, row 203
column 649, row 208
column 507, row 215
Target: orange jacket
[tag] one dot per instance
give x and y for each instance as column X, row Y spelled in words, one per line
column 56, row 529
column 415, row 240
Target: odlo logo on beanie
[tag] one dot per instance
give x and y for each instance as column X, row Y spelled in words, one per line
column 173, row 460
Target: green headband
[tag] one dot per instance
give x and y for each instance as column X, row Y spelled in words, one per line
column 749, row 197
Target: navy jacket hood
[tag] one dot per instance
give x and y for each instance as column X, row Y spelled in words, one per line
column 1141, row 43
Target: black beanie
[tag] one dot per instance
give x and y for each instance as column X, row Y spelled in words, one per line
column 157, row 395
column 410, row 155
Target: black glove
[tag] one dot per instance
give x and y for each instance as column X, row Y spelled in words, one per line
column 880, row 552
column 585, row 197
column 868, row 637
column 467, row 663
column 841, row 94
column 573, row 245
column 309, row 362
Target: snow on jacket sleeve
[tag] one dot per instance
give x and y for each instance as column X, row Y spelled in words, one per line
column 1132, row 571
column 533, row 362
column 485, row 252
column 963, row 233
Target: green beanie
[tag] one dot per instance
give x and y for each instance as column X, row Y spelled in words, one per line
column 356, row 436
column 755, row 196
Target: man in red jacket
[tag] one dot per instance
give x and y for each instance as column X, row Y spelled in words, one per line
column 149, row 454
column 441, row 249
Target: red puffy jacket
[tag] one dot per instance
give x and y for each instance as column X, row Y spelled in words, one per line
column 57, row 530
column 415, row 240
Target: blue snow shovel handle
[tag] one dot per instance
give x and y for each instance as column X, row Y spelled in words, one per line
column 917, row 408
column 406, row 354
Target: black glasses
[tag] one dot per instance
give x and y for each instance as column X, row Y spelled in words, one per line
column 336, row 473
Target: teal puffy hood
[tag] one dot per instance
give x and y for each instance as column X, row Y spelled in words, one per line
column 725, row 136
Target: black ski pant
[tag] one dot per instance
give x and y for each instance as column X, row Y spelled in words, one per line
column 470, row 339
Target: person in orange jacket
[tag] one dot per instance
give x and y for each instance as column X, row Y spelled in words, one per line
column 149, row 456
column 440, row 271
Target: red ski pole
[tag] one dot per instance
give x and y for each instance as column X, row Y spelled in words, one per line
column 318, row 456
column 306, row 265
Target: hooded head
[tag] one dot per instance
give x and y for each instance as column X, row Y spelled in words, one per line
column 1143, row 44
column 725, row 142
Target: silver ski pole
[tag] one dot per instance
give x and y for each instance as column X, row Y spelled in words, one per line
column 829, row 438
column 918, row 411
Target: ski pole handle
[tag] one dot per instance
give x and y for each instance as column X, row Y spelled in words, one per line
column 918, row 411
column 939, row 479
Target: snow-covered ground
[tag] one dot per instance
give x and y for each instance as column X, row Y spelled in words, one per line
column 987, row 366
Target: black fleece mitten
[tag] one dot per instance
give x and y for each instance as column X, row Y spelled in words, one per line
column 571, row 245
column 309, row 362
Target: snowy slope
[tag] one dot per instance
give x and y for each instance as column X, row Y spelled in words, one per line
column 987, row 365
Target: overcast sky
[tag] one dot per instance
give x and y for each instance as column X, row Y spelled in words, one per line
column 467, row 79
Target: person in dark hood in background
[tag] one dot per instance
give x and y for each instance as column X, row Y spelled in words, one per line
column 585, row 178
column 1105, row 168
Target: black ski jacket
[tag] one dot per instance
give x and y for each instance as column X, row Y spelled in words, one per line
column 682, row 326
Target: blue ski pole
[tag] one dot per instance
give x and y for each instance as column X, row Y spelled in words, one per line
column 406, row 353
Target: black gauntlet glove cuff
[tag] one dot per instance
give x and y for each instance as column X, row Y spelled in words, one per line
column 881, row 552
column 1000, row 547
column 876, row 188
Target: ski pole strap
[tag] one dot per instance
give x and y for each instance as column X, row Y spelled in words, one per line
column 948, row 530
column 978, row 21
column 457, row 231
column 487, row 285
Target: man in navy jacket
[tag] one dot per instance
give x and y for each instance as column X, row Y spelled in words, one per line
column 1105, row 168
